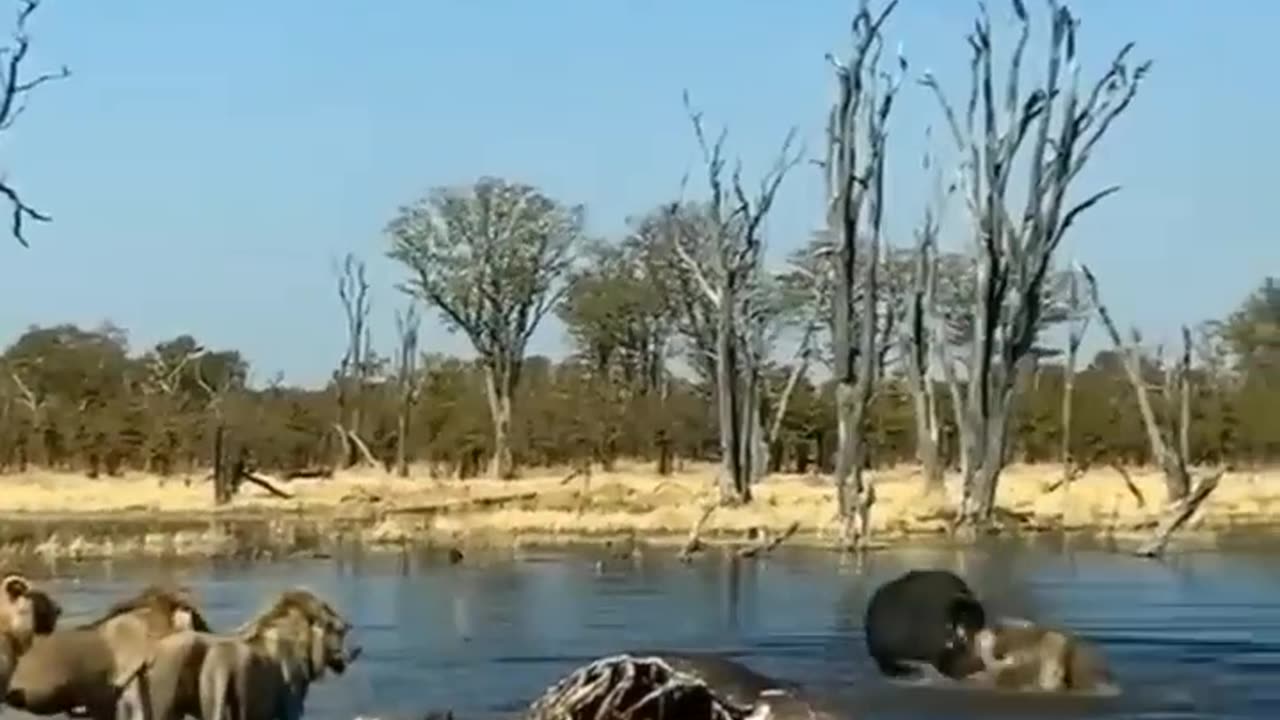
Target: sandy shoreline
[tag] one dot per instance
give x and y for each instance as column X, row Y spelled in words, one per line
column 62, row 515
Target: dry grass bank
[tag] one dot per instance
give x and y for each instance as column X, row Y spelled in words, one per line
column 630, row 500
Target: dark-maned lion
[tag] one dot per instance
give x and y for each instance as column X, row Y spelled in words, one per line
column 261, row 671
column 85, row 666
column 1026, row 656
column 24, row 613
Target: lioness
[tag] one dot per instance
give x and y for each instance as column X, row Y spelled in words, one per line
column 85, row 666
column 24, row 613
column 261, row 671
column 1025, row 656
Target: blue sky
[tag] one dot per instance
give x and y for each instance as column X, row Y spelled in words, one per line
column 207, row 163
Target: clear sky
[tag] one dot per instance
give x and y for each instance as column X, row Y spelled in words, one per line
column 207, row 163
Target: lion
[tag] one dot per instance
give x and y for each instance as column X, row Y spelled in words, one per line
column 85, row 666
column 1024, row 656
column 261, row 671
column 25, row 612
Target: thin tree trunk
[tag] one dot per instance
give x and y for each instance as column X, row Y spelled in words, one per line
column 992, row 454
column 402, row 444
column 927, row 437
column 499, row 393
column 732, row 488
column 1068, row 400
column 793, row 379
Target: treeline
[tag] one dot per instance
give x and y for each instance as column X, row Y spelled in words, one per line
column 79, row 400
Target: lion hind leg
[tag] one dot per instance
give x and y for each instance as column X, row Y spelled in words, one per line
column 215, row 686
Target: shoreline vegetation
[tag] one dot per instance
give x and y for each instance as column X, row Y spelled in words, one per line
column 66, row 516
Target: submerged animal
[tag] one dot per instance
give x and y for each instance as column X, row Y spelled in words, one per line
column 261, row 671
column 1026, row 656
column 84, row 667
column 924, row 617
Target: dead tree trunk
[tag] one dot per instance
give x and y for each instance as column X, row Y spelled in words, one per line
column 1170, row 447
column 409, row 380
column 734, row 486
column 798, row 369
column 1015, row 250
column 224, row 467
column 856, row 135
column 1079, row 324
column 917, row 341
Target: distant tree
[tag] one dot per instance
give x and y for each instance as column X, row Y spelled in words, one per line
column 614, row 313
column 359, row 365
column 1253, row 331
column 492, row 259
column 14, row 89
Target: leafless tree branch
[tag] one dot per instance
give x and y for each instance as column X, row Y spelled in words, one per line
column 13, row 93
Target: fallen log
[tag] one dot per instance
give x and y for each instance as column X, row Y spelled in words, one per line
column 462, row 504
column 767, row 546
column 265, row 485
column 1176, row 516
column 694, row 543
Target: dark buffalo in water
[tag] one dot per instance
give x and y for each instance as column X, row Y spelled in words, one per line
column 924, row 617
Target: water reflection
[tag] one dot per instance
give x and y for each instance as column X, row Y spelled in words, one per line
column 1197, row 636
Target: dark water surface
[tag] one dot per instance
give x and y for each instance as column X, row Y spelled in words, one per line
column 1197, row 636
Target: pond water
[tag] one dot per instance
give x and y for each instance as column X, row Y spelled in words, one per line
column 1197, row 636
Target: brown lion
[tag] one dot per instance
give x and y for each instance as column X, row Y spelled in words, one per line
column 25, row 612
column 1025, row 656
column 84, row 667
column 261, row 671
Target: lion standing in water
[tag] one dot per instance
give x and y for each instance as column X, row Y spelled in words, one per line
column 261, row 671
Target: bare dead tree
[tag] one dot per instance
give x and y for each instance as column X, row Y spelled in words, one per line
column 409, row 381
column 916, row 338
column 14, row 89
column 1015, row 253
column 352, row 375
column 725, row 259
column 856, row 141
column 1170, row 444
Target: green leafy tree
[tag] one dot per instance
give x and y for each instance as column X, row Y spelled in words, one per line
column 492, row 259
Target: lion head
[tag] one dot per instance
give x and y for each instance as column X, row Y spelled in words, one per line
column 17, row 609
column 313, row 625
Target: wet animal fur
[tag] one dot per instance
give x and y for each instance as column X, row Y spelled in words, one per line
column 1024, row 656
column 84, row 666
column 261, row 671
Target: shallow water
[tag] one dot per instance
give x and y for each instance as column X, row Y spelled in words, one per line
column 1197, row 636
